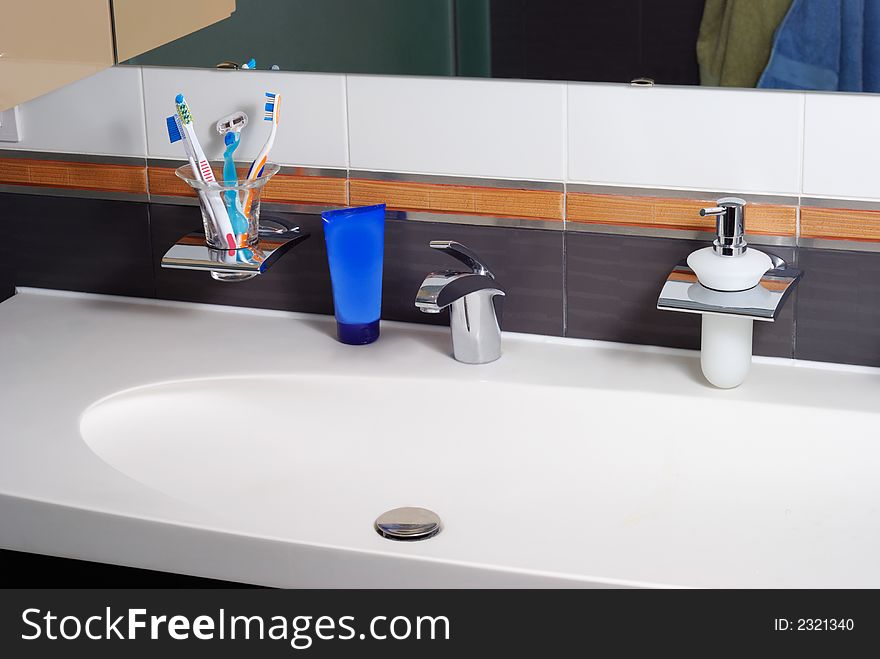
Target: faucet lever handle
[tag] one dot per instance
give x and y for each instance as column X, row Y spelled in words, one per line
column 463, row 254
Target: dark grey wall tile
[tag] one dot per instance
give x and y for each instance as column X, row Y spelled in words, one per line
column 7, row 275
column 612, row 284
column 777, row 339
column 838, row 307
column 7, row 288
column 299, row 281
column 526, row 262
column 612, row 281
column 79, row 244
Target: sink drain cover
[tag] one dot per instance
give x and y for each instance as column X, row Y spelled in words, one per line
column 408, row 524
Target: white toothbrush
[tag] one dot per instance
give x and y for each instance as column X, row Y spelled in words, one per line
column 177, row 134
column 202, row 169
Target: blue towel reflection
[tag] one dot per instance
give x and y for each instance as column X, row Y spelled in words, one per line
column 826, row 45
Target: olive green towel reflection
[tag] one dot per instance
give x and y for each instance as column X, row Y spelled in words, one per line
column 735, row 40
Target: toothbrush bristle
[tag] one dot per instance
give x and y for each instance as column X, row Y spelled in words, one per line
column 173, row 129
column 183, row 109
column 179, row 125
column 271, row 107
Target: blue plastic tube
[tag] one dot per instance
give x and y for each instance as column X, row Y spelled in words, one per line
column 355, row 240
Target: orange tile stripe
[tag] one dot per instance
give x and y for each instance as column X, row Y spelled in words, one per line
column 582, row 207
column 73, row 175
column 468, row 200
column 283, row 188
column 840, row 224
column 682, row 214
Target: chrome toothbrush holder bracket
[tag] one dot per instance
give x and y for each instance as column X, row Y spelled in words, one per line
column 191, row 252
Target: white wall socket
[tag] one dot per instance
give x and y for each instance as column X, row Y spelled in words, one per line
column 10, row 126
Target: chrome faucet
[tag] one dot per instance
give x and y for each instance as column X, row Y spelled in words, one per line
column 470, row 296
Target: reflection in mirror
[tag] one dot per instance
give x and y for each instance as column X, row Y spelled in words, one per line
column 350, row 36
column 779, row 44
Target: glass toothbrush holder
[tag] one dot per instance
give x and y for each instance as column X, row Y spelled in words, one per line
column 230, row 214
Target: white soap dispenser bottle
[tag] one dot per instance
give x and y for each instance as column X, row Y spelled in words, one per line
column 729, row 265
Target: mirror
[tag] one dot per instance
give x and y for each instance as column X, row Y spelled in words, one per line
column 778, row 44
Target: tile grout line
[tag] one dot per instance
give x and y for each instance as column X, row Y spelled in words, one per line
column 794, row 313
column 565, row 141
column 798, row 210
column 803, row 146
column 565, row 125
column 801, row 163
column 564, row 258
column 347, row 114
column 146, row 154
column 564, row 283
column 794, row 301
column 154, row 275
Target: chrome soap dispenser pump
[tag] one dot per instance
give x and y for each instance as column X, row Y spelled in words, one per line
column 730, row 226
column 729, row 265
column 731, row 285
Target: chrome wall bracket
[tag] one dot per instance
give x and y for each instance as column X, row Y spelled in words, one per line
column 683, row 292
column 192, row 253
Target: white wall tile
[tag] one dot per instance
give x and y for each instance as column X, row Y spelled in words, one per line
column 666, row 137
column 101, row 114
column 312, row 128
column 841, row 145
column 487, row 128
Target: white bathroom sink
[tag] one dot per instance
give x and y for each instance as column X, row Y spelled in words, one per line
column 565, row 463
column 613, row 482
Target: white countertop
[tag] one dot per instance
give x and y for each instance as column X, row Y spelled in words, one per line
column 565, row 463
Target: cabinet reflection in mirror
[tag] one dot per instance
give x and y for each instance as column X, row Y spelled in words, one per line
column 779, row 44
